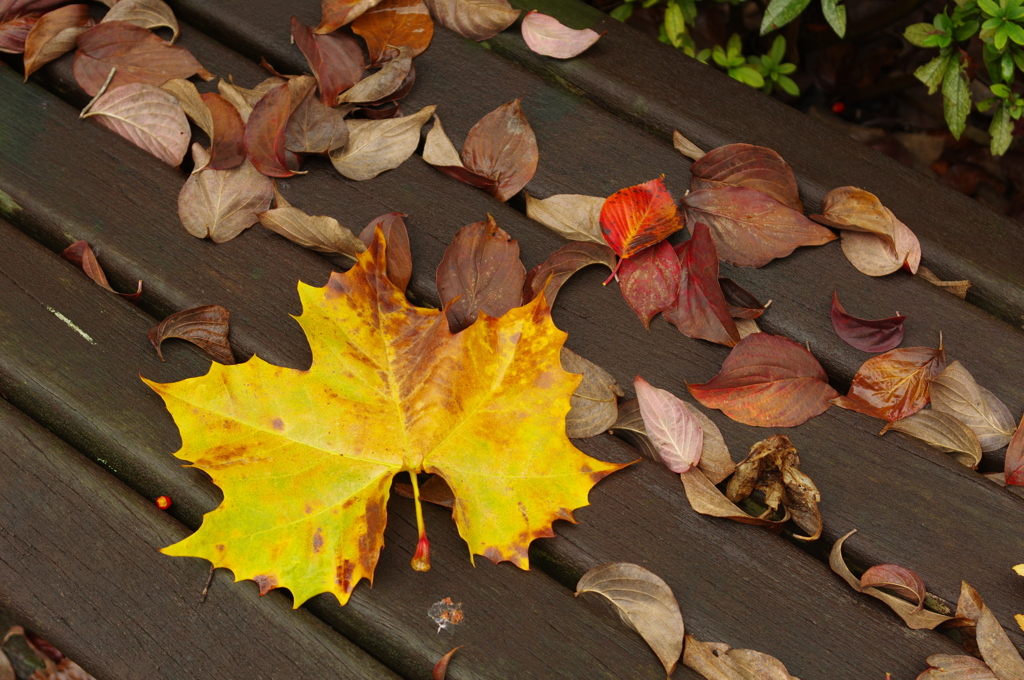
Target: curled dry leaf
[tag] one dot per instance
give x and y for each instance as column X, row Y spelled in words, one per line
column 594, row 403
column 955, row 392
column 243, row 99
column 337, row 13
column 146, row 116
column 915, row 617
column 993, row 643
column 315, row 127
column 438, row 150
column 320, row 233
column 336, row 60
column 381, row 84
column 951, row 667
column 746, row 165
column 80, row 254
column 227, row 143
column 396, row 236
column 676, row 433
column 267, row 125
column 773, row 467
column 548, row 36
column 867, row 335
column 139, row 55
column 551, row 274
column 191, row 103
column 480, row 272
column 378, row 145
column 54, row 34
column 700, row 310
column 221, row 204
column 639, row 216
column 474, row 19
column 686, row 147
column 769, row 381
column 576, row 217
column 145, row 14
column 943, row 431
column 894, row 385
column 14, row 33
column 740, row 302
column 649, row 281
column 441, row 667
column 644, row 602
column 1013, row 467
column 746, row 327
column 705, row 498
column 957, row 288
column 902, row 581
column 205, row 327
column 394, row 24
column 751, row 228
column 719, row 661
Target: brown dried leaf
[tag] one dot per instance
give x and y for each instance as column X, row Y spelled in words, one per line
column 396, row 237
column 705, row 498
column 381, row 84
column 594, row 404
column 719, row 661
column 480, row 272
column 645, row 603
column 80, row 254
column 205, row 327
column 337, row 13
column 394, row 24
column 746, row 165
column 746, row 327
column 957, row 288
column 701, row 310
column 435, row 490
column 551, row 274
column 266, row 126
column 378, row 145
column 315, row 127
column 576, row 217
column 145, row 14
column 227, row 143
column 320, row 233
column 191, row 103
column 54, row 34
column 336, row 60
column 649, row 282
column 871, row 255
column 243, row 99
column 955, row 392
column 686, row 147
column 896, row 384
column 438, row 149
column 6, row 669
column 474, row 19
column 741, row 303
column 993, row 643
column 221, row 204
column 906, row 583
column 146, row 116
column 943, row 431
column 950, row 667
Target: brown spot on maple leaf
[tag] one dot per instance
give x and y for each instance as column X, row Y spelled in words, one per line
column 265, row 583
column 318, row 541
column 277, row 424
column 309, row 509
column 219, row 547
column 344, row 575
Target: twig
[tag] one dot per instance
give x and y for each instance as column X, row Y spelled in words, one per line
column 106, row 84
column 206, row 588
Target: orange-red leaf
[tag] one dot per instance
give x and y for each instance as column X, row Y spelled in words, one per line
column 894, row 385
column 80, row 254
column 746, row 165
column 441, row 667
column 637, row 217
column 701, row 310
column 394, row 24
column 650, row 281
column 265, row 130
column 54, row 34
column 769, row 381
column 227, row 146
column 336, row 60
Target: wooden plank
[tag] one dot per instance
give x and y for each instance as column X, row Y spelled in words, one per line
column 792, row 584
column 79, row 565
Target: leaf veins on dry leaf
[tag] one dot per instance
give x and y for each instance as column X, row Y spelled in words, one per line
column 548, row 36
column 205, row 327
column 894, row 385
column 80, row 254
column 148, row 117
column 378, row 145
column 719, row 661
column 551, row 274
column 474, row 19
column 576, row 217
column 221, row 204
column 145, row 14
column 320, row 233
column 337, row 13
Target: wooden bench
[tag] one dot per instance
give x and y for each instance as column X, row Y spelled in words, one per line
column 78, row 538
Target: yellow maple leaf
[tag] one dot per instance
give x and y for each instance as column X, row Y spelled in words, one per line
column 305, row 458
column 1019, row 618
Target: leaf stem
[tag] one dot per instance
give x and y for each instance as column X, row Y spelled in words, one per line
column 421, row 559
column 102, row 91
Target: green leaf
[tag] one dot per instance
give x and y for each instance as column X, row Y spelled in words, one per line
column 718, row 54
column 1000, row 90
column 932, row 73
column 788, row 86
column 918, row 34
column 622, row 12
column 1015, row 32
column 778, row 50
column 988, row 7
column 956, row 97
column 746, row 74
column 786, row 69
column 675, row 24
column 965, row 32
column 781, row 12
column 1001, row 130
column 1006, row 67
column 835, row 14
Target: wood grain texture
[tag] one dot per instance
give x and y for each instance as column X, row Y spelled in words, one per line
column 79, row 566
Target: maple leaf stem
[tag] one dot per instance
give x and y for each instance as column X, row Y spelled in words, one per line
column 614, row 274
column 421, row 559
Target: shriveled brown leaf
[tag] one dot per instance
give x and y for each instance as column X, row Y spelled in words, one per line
column 55, row 34
column 394, row 24
column 146, row 116
column 686, row 147
column 551, row 274
column 951, row 667
column 943, row 431
column 576, row 217
column 1013, row 466
column 705, row 498
column 957, row 288
column 205, row 327
column 381, row 84
column 747, row 165
column 81, row 255
column 396, row 237
column 146, row 14
column 268, row 122
column 993, row 643
column 480, row 272
column 375, row 146
column 337, row 13
column 904, row 582
column 594, row 403
column 955, row 392
column 916, row 619
column 244, row 99
column 336, row 60
column 644, row 602
column 315, row 127
column 474, row 19
column 320, row 233
column 719, row 661
column 221, row 204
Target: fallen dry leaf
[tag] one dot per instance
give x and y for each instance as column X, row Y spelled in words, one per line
column 227, row 143
column 55, row 34
column 746, row 327
column 740, row 302
column 336, row 60
column 576, row 217
column 867, row 335
column 315, row 127
column 993, row 643
column 244, row 99
column 375, row 146
column 914, row 617
column 700, row 310
column 719, row 661
column 1014, row 464
column 676, row 433
column 148, row 117
column 548, row 36
column 751, row 228
column 191, row 103
column 394, row 24
column 639, row 216
column 705, row 498
column 6, row 669
column 474, row 19
column 221, row 204
column 80, row 254
column 649, row 281
column 551, row 274
column 957, row 288
column 480, row 272
column 14, row 33
column 337, row 13
column 773, row 467
column 769, row 381
column 951, row 667
column 205, row 327
column 894, row 385
column 441, row 667
column 594, row 402
column 954, row 391
column 145, row 14
column 943, row 431
column 396, row 236
column 746, row 165
column 139, row 55
column 320, row 233
column 379, row 85
column 686, row 147
column 644, row 602
column 904, row 582
column 266, row 127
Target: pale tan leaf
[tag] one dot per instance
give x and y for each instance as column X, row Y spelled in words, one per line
column 382, row 83
column 746, row 327
column 378, row 145
column 315, row 127
column 594, row 403
column 686, row 147
column 474, row 19
column 221, row 204
column 244, row 100
column 147, row 116
column 957, row 288
column 6, row 669
column 645, row 603
column 955, row 392
column 191, row 103
column 576, row 217
column 719, row 661
column 438, row 149
column 705, row 498
column 319, row 233
column 993, row 643
column 943, row 431
column 145, row 13
column 872, row 254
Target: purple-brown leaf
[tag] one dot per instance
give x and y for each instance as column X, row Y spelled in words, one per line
column 502, row 148
column 205, row 327
column 268, row 122
column 14, row 33
column 676, row 433
column 649, row 281
column 551, row 274
column 335, row 59
column 80, row 254
column 746, row 165
column 701, row 310
column 867, row 335
column 54, row 34
column 904, row 582
column 227, row 144
column 396, row 239
column 741, row 303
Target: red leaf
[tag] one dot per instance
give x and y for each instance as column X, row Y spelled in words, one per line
column 637, row 217
column 227, row 147
column 140, row 56
column 80, row 254
column 337, row 13
column 335, row 59
column 205, row 327
column 502, row 148
column 751, row 228
column 265, row 130
column 904, row 582
column 867, row 335
column 769, row 381
column 13, row 33
column 701, row 310
column 894, row 385
column 562, row 264
column 396, row 240
column 746, row 165
column 1013, row 467
column 742, row 304
column 650, row 281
